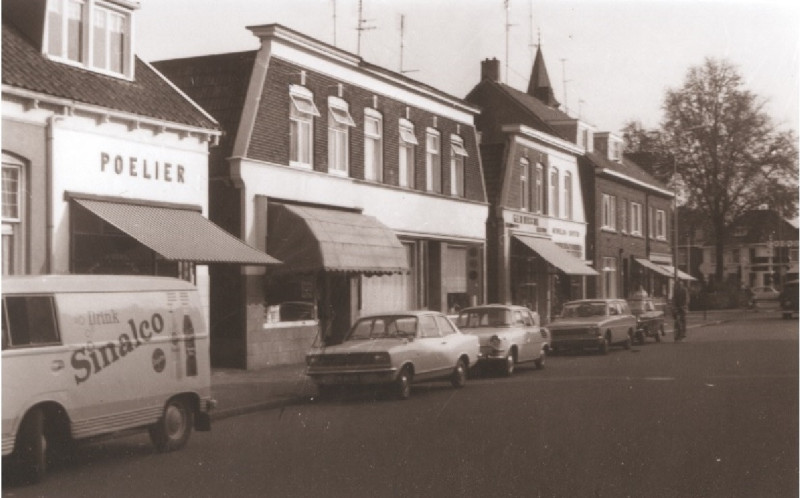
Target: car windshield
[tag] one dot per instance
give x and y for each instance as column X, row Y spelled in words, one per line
column 582, row 310
column 381, row 327
column 484, row 318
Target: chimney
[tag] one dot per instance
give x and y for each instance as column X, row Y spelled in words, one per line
column 490, row 70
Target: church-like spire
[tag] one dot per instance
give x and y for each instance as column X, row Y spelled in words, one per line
column 539, row 85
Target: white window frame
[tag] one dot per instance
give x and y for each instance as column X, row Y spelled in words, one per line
column 567, row 195
column 13, row 250
column 301, row 129
column 407, row 149
column 373, row 146
column 62, row 11
column 339, row 124
column 661, row 224
column 554, row 194
column 525, row 184
column 433, row 160
column 636, row 218
column 623, row 214
column 538, row 189
column 458, row 155
column 609, row 215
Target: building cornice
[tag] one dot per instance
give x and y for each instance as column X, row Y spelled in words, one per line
column 621, row 176
column 528, row 132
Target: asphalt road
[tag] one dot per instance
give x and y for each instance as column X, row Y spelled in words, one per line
column 715, row 416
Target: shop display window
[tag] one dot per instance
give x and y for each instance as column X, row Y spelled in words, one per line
column 289, row 299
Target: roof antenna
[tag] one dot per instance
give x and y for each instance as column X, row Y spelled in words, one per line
column 361, row 25
column 508, row 31
column 564, row 78
column 402, row 45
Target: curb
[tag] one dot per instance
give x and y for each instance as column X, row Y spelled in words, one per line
column 283, row 402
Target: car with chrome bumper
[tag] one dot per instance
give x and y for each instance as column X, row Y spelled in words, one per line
column 592, row 323
column 508, row 335
column 395, row 350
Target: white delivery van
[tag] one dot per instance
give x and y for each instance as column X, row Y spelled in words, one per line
column 85, row 355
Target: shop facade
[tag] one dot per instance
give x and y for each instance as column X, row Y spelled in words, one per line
column 367, row 185
column 105, row 174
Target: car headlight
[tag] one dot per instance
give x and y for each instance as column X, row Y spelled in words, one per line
column 381, row 358
column 312, row 360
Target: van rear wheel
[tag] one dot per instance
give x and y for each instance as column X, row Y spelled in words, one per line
column 173, row 429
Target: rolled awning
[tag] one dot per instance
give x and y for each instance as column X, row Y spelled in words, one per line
column 681, row 274
column 177, row 234
column 309, row 239
column 654, row 267
column 556, row 256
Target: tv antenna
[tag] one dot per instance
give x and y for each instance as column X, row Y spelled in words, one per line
column 402, row 45
column 362, row 25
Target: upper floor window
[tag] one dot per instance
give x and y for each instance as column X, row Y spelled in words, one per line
column 636, row 218
column 661, row 224
column 568, row 195
column 554, row 201
column 609, row 212
column 651, row 225
column 538, row 189
column 301, row 127
column 623, row 216
column 373, row 145
column 339, row 123
column 433, row 161
column 525, row 184
column 457, row 155
column 91, row 33
column 407, row 153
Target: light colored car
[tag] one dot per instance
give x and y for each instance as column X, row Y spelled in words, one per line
column 765, row 298
column 508, row 335
column 396, row 349
column 593, row 323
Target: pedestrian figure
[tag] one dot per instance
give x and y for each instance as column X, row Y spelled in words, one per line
column 680, row 305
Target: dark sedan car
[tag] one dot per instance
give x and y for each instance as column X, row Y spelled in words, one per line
column 649, row 319
column 789, row 299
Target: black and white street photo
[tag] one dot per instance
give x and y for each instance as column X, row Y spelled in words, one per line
column 395, row 248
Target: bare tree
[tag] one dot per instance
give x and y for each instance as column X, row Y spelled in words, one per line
column 728, row 156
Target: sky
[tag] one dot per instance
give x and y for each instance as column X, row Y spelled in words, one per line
column 610, row 61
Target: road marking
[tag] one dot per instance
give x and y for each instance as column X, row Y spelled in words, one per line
column 659, row 378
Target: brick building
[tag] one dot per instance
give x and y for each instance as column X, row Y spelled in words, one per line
column 366, row 184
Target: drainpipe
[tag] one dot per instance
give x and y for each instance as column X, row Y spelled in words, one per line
column 50, row 200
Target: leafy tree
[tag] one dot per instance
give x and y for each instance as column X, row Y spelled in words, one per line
column 726, row 154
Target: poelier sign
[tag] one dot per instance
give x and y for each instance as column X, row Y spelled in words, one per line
column 133, row 166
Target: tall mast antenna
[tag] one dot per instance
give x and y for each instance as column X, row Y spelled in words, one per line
column 565, row 80
column 532, row 45
column 334, row 23
column 402, row 44
column 508, row 32
column 361, row 25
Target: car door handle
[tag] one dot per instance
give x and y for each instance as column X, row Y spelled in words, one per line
column 57, row 365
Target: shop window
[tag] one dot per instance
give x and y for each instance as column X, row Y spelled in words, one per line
column 339, row 123
column 29, row 321
column 91, row 33
column 407, row 153
column 610, row 277
column 554, row 201
column 289, row 298
column 455, row 278
column 457, row 156
column 433, row 161
column 525, row 184
column 373, row 145
column 301, row 127
column 13, row 215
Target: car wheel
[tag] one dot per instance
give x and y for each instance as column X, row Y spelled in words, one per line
column 459, row 377
column 604, row 345
column 509, row 364
column 173, row 429
column 403, row 383
column 539, row 362
column 30, row 453
column 629, row 340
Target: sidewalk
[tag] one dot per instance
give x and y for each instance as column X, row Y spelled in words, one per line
column 242, row 391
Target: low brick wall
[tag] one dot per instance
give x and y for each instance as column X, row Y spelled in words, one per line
column 280, row 344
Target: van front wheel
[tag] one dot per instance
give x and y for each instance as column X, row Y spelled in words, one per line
column 173, row 429
column 31, row 448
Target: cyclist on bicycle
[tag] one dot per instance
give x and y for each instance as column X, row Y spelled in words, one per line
column 680, row 305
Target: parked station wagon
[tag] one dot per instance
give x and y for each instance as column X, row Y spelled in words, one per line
column 508, row 335
column 593, row 323
column 396, row 349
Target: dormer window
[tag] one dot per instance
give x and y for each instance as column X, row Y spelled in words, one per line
column 90, row 33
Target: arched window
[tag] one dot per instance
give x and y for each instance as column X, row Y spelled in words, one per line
column 568, row 195
column 525, row 184
column 554, row 193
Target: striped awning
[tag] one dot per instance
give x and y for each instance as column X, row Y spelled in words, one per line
column 682, row 275
column 177, row 234
column 556, row 256
column 309, row 239
column 654, row 267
